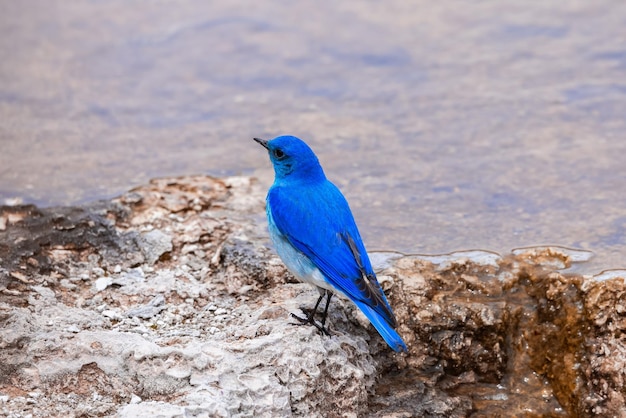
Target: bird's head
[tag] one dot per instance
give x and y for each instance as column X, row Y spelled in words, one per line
column 292, row 159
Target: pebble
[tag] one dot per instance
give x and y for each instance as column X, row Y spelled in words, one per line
column 245, row 289
column 45, row 292
column 102, row 283
column 73, row 328
column 67, row 284
column 154, row 307
column 220, row 311
column 154, row 244
column 132, row 198
column 109, row 313
column 137, row 273
column 188, row 248
column 140, row 329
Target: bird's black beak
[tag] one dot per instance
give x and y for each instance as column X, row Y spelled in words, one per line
column 263, row 142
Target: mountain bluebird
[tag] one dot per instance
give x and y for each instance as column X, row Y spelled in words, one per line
column 314, row 233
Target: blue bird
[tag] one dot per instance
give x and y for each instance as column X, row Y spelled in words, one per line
column 314, row 233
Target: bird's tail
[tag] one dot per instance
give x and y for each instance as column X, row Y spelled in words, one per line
column 391, row 337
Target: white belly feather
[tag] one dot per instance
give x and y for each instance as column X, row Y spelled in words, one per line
column 298, row 263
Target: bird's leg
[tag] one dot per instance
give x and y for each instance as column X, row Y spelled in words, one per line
column 310, row 317
column 328, row 296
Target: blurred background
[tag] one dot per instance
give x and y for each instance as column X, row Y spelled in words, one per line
column 449, row 125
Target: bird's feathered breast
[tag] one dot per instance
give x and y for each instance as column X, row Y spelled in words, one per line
column 317, row 221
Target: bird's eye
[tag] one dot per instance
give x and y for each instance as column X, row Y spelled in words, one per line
column 278, row 154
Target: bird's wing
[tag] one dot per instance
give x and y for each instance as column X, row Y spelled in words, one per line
column 317, row 221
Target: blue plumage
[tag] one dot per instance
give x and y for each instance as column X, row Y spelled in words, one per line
column 314, row 233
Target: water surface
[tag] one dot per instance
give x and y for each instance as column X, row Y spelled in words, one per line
column 448, row 126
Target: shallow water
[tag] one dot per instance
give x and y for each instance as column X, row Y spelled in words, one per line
column 449, row 126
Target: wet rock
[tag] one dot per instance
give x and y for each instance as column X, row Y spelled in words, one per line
column 604, row 348
column 40, row 242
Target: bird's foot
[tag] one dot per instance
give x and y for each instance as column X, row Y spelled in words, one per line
column 310, row 321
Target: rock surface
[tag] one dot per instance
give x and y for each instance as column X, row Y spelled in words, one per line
column 167, row 302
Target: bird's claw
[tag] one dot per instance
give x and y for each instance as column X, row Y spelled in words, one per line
column 311, row 321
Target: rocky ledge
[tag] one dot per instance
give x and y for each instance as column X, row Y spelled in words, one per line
column 168, row 302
